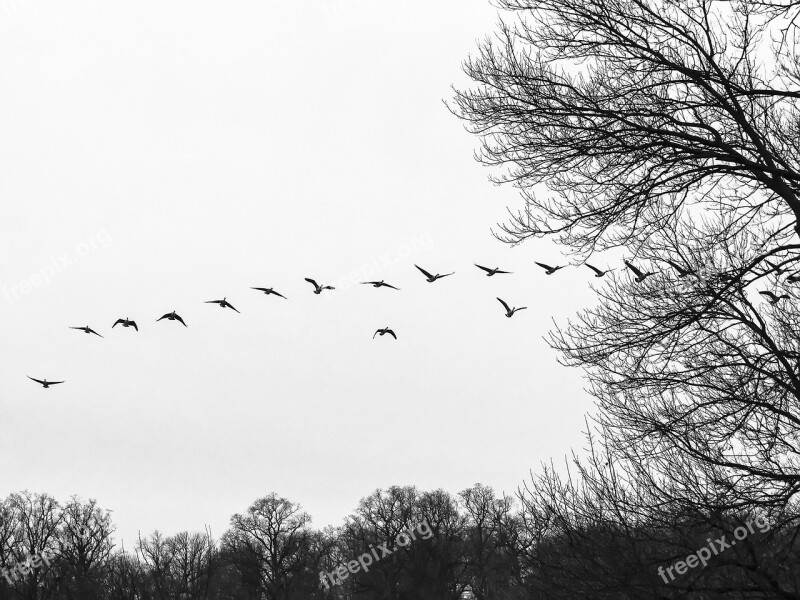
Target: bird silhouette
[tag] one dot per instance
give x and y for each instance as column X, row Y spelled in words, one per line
column 510, row 311
column 46, row 384
column 682, row 271
column 597, row 272
column 793, row 278
column 773, row 299
column 490, row 272
column 431, row 278
column 173, row 316
column 383, row 332
column 222, row 303
column 640, row 276
column 778, row 269
column 318, row 289
column 378, row 284
column 269, row 291
column 125, row 323
column 548, row 269
column 87, row 329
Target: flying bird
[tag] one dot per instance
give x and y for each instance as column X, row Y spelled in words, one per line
column 793, row 278
column 490, row 272
column 548, row 269
column 773, row 299
column 87, row 329
column 778, row 269
column 640, row 276
column 44, row 382
column 431, row 278
column 377, row 284
column 125, row 323
column 597, row 272
column 269, row 291
column 682, row 271
column 510, row 311
column 222, row 303
column 173, row 316
column 383, row 332
column 318, row 289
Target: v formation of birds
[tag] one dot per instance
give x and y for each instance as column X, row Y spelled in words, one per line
column 639, row 277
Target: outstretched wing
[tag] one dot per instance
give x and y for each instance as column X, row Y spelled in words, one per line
column 213, row 301
column 312, row 282
column 231, row 306
column 769, row 295
column 54, row 382
column 265, row 290
column 501, row 271
column 424, row 272
column 94, row 332
column 390, row 332
column 134, row 325
column 544, row 266
column 117, row 323
column 164, row 317
column 483, row 268
column 377, row 331
column 36, row 380
column 178, row 317
column 504, row 305
column 278, row 294
column 389, row 286
column 595, row 269
column 636, row 271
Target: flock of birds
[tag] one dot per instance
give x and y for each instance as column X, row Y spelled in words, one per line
column 639, row 277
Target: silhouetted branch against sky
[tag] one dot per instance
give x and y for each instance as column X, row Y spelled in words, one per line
column 631, row 112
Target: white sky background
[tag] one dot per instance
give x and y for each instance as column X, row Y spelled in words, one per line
column 206, row 147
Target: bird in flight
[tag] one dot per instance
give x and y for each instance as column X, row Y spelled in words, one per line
column 793, row 278
column 510, row 311
column 640, row 276
column 490, row 272
column 222, row 303
column 548, row 269
column 773, row 299
column 173, row 316
column 777, row 268
column 597, row 272
column 44, row 382
column 87, row 329
column 269, row 291
column 682, row 271
column 318, row 289
column 377, row 284
column 125, row 323
column 383, row 332
column 431, row 278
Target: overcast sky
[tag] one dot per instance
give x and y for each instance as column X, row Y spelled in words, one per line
column 159, row 154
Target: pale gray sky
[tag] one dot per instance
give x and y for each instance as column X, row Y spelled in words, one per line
column 159, row 154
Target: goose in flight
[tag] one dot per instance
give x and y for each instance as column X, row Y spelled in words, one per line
column 773, row 299
column 548, row 269
column 640, row 276
column 682, row 271
column 383, row 332
column 222, row 303
column 777, row 268
column 490, row 272
column 377, row 284
column 125, row 323
column 318, row 289
column 510, row 311
column 431, row 278
column 173, row 316
column 87, row 329
column 597, row 272
column 44, row 382
column 269, row 291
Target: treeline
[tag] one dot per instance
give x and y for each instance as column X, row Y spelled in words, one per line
column 555, row 539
